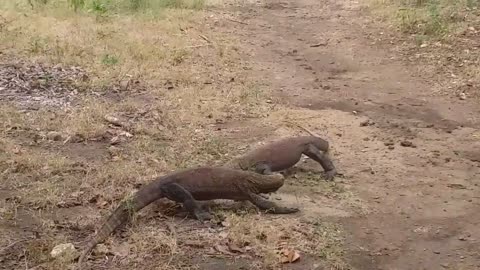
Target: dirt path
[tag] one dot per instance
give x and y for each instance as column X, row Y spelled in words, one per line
column 425, row 198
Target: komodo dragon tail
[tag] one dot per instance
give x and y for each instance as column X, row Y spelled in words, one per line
column 122, row 214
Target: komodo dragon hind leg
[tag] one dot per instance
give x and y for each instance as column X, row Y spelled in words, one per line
column 325, row 161
column 177, row 193
column 269, row 206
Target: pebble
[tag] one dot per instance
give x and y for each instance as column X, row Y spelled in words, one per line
column 54, row 136
column 101, row 249
column 66, row 251
column 407, row 144
column 366, row 123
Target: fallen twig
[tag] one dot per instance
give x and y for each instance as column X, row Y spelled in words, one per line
column 240, row 22
column 205, row 38
column 11, row 245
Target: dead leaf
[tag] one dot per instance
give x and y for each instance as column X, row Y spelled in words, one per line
column 101, row 202
column 225, row 224
column 126, row 134
column 194, row 244
column 456, row 186
column 113, row 120
column 289, row 256
column 122, row 250
column 223, row 235
column 234, row 248
column 115, row 140
column 223, row 249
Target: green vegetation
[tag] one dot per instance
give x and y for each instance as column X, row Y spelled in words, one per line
column 435, row 18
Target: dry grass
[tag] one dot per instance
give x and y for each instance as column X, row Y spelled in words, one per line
column 435, row 18
column 442, row 40
column 270, row 237
column 170, row 82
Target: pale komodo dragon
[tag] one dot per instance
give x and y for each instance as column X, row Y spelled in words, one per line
column 284, row 154
column 188, row 186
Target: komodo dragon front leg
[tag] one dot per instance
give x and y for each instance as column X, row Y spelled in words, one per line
column 177, row 193
column 270, row 206
column 322, row 158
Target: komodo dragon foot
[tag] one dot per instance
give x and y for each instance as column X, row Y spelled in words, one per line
column 271, row 207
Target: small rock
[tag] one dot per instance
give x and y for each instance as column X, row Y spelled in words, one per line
column 424, row 45
column 54, row 136
column 76, row 138
column 436, row 252
column 391, row 147
column 113, row 120
column 169, row 85
column 101, row 249
column 366, row 123
column 407, row 144
column 65, row 251
column 462, row 96
column 445, row 265
column 390, row 143
column 124, row 85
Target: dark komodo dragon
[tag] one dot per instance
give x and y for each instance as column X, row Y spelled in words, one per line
column 188, row 186
column 284, row 153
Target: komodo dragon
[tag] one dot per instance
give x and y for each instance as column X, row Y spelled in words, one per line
column 188, row 186
column 283, row 154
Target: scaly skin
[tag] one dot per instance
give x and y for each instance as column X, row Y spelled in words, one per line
column 284, row 154
column 188, row 186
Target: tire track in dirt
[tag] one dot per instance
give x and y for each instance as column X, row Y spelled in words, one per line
column 425, row 198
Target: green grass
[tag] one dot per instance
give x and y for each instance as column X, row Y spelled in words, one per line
column 432, row 18
column 106, row 6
